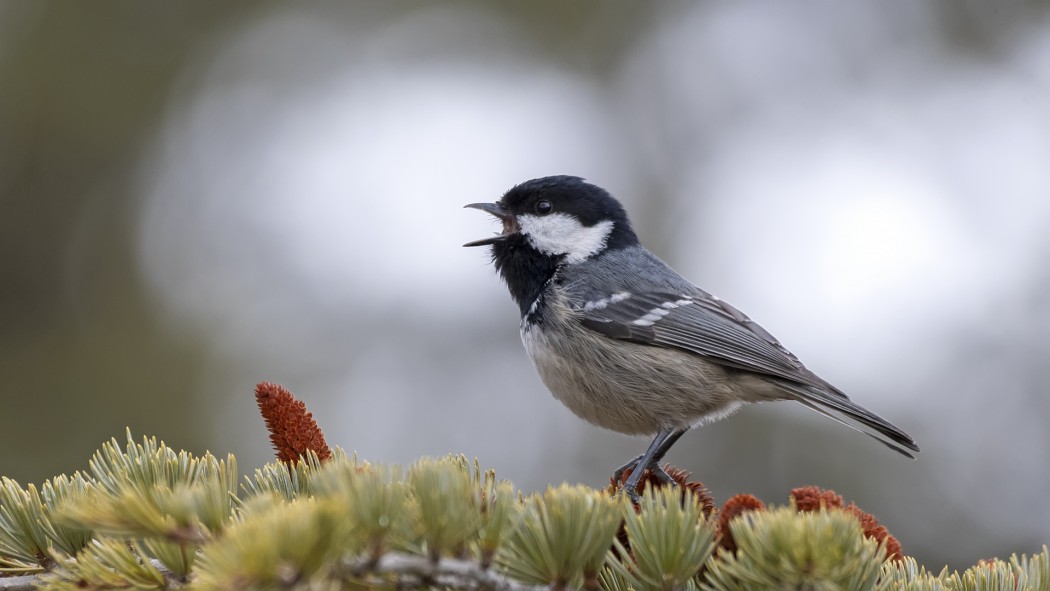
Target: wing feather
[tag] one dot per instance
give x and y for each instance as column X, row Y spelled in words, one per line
column 700, row 324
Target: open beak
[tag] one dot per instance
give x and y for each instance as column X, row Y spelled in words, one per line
column 510, row 224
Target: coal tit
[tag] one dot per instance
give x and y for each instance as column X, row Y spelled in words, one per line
column 628, row 344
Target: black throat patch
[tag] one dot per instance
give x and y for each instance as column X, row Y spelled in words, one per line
column 525, row 270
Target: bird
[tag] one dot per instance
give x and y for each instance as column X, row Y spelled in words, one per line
column 628, row 344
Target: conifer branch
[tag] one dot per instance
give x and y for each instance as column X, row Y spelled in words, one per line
column 416, row 572
column 20, row 583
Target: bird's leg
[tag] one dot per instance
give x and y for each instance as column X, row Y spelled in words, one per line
column 661, row 443
column 654, row 464
column 664, row 447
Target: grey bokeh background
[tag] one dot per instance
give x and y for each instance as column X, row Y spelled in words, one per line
column 195, row 197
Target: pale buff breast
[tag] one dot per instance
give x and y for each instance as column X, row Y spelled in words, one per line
column 613, row 384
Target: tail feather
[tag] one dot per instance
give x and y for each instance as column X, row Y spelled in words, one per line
column 841, row 409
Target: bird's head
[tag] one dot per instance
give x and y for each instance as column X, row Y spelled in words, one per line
column 560, row 217
column 549, row 222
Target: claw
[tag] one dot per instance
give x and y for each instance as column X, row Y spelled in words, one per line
column 660, row 474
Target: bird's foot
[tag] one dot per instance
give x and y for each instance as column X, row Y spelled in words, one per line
column 632, row 494
column 660, row 474
column 630, row 486
column 631, row 465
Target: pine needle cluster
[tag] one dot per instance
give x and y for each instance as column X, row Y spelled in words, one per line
column 144, row 516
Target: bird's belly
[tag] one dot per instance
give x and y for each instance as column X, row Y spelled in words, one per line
column 617, row 386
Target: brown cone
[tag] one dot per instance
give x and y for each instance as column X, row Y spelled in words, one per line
column 293, row 431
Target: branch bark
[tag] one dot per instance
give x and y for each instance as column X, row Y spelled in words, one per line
column 417, row 572
column 413, row 572
column 21, row 583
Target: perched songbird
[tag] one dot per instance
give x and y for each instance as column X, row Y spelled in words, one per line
column 627, row 343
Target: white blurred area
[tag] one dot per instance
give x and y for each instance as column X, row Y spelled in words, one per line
column 876, row 199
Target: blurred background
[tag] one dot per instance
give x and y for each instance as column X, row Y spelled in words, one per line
column 198, row 196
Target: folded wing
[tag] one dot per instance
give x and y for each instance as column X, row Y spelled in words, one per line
column 704, row 325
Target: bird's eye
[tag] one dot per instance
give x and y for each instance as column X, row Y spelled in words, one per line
column 543, row 207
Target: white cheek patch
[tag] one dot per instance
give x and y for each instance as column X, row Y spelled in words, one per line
column 559, row 233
